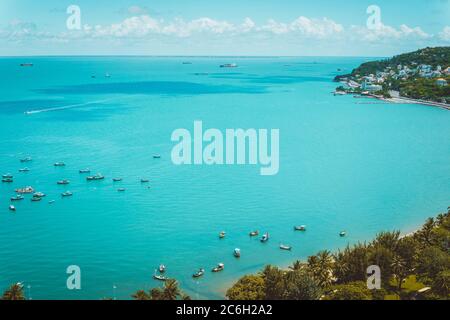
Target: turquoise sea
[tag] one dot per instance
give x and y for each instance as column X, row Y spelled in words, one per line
column 358, row 165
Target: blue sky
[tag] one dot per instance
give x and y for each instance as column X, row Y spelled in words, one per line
column 232, row 27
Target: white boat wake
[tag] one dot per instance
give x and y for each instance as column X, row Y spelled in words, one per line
column 65, row 107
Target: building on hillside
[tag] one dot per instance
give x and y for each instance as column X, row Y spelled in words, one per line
column 441, row 82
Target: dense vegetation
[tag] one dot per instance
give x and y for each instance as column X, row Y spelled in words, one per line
column 439, row 56
column 407, row 265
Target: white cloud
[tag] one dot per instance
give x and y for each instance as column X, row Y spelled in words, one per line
column 445, row 34
column 137, row 10
column 384, row 32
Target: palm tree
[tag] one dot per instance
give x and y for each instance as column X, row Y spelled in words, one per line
column 297, row 265
column 15, row 292
column 141, row 295
column 321, row 266
column 171, row 290
column 400, row 271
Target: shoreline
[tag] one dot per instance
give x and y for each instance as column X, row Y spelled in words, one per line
column 412, row 101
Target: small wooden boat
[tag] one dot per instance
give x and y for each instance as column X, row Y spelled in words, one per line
column 7, row 180
column 38, row 195
column 254, row 233
column 12, row 208
column 162, row 268
column 160, row 277
column 218, row 268
column 222, row 234
column 84, row 171
column 98, row 176
column 59, row 164
column 265, row 237
column 300, row 228
column 26, row 159
column 67, row 194
column 342, row 233
column 24, row 170
column 199, row 273
column 237, row 253
column 17, row 198
column 63, row 182
column 285, row 247
column 25, row 190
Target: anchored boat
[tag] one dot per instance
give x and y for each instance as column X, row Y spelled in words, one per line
column 222, row 234
column 67, row 194
column 63, row 182
column 25, row 190
column 300, row 228
column 84, row 171
column 59, row 164
column 98, row 176
column 254, row 233
column 342, row 233
column 12, row 208
column 285, row 247
column 265, row 237
column 218, row 268
column 17, row 198
column 237, row 253
column 199, row 273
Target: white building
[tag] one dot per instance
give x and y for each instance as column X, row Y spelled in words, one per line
column 368, row 86
column 441, row 82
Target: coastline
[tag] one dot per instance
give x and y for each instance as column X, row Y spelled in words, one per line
column 412, row 101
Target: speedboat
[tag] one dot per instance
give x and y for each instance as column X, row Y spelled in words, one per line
column 300, row 228
column 265, row 237
column 145, row 180
column 98, row 176
column 156, row 156
column 24, row 170
column 342, row 233
column 17, row 198
column 59, row 164
column 63, row 182
column 12, row 208
column 117, row 179
column 285, row 247
column 218, row 268
column 162, row 268
column 160, row 277
column 7, row 180
column 67, row 194
column 84, row 171
column 237, row 253
column 26, row 159
column 25, row 190
column 7, row 176
column 199, row 273
column 222, row 234
column 254, row 233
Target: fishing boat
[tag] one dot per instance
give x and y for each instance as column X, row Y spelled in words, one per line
column 117, row 179
column 285, row 247
column 12, row 208
column 98, row 176
column 237, row 253
column 38, row 195
column 7, row 180
column 162, row 268
column 342, row 233
column 24, row 170
column 145, row 180
column 265, row 237
column 26, row 159
column 17, row 198
column 254, row 233
column 59, row 164
column 36, row 199
column 222, row 234
column 199, row 273
column 229, row 65
column 63, row 182
column 121, row 189
column 67, row 194
column 156, row 156
column 25, row 190
column 160, row 277
column 7, row 176
column 300, row 228
column 84, row 171
column 218, row 268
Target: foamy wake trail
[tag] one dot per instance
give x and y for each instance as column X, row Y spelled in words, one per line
column 66, row 107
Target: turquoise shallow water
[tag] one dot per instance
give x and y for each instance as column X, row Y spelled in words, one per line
column 354, row 164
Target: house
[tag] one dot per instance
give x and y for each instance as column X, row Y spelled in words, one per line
column 441, row 82
column 368, row 86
